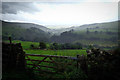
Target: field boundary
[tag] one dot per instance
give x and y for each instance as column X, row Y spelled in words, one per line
column 79, row 59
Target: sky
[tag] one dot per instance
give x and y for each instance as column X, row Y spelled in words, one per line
column 60, row 14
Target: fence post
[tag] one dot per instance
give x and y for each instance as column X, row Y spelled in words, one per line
column 10, row 55
column 10, row 40
column 78, row 61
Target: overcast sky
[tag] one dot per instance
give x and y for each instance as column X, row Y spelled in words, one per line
column 66, row 14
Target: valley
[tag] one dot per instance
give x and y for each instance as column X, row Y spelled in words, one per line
column 100, row 35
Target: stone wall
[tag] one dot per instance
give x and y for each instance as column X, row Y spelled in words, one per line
column 12, row 56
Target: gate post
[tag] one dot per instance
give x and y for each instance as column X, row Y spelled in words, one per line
column 10, row 40
column 20, row 63
column 78, row 61
column 82, row 63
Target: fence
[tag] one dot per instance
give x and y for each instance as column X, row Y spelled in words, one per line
column 13, row 57
column 36, row 63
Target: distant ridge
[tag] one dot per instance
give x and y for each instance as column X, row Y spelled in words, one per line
column 27, row 25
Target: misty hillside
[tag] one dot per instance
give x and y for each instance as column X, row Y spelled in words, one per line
column 26, row 25
column 111, row 26
column 99, row 34
column 19, row 31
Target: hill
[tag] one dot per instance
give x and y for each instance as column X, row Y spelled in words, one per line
column 99, row 34
column 26, row 25
column 110, row 26
column 23, row 31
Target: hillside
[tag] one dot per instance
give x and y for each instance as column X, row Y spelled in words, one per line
column 26, row 25
column 19, row 31
column 106, row 26
column 99, row 35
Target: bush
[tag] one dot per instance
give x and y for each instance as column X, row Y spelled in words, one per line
column 32, row 46
column 42, row 45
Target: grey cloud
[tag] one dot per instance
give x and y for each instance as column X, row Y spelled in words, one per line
column 14, row 7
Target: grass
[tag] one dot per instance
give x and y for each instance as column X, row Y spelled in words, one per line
column 67, row 69
column 25, row 44
column 71, row 53
column 27, row 49
column 57, row 52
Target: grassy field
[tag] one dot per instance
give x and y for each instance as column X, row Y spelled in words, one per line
column 26, row 47
column 68, row 69
column 57, row 52
column 25, row 44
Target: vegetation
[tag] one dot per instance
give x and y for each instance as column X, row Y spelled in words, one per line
column 57, row 52
column 42, row 45
column 25, row 44
column 101, row 64
column 102, row 35
column 21, row 33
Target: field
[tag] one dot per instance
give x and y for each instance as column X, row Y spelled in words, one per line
column 68, row 69
column 57, row 52
column 27, row 49
column 60, row 67
column 25, row 44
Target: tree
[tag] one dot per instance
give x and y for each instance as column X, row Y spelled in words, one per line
column 90, row 46
column 95, row 32
column 42, row 45
column 79, row 45
column 67, row 46
column 31, row 46
column 56, row 46
column 88, row 31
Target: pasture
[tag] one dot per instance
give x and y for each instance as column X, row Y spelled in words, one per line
column 25, row 44
column 57, row 52
column 58, row 64
column 67, row 71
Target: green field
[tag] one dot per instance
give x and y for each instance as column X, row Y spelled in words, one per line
column 25, row 44
column 57, row 52
column 26, row 47
column 68, row 69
